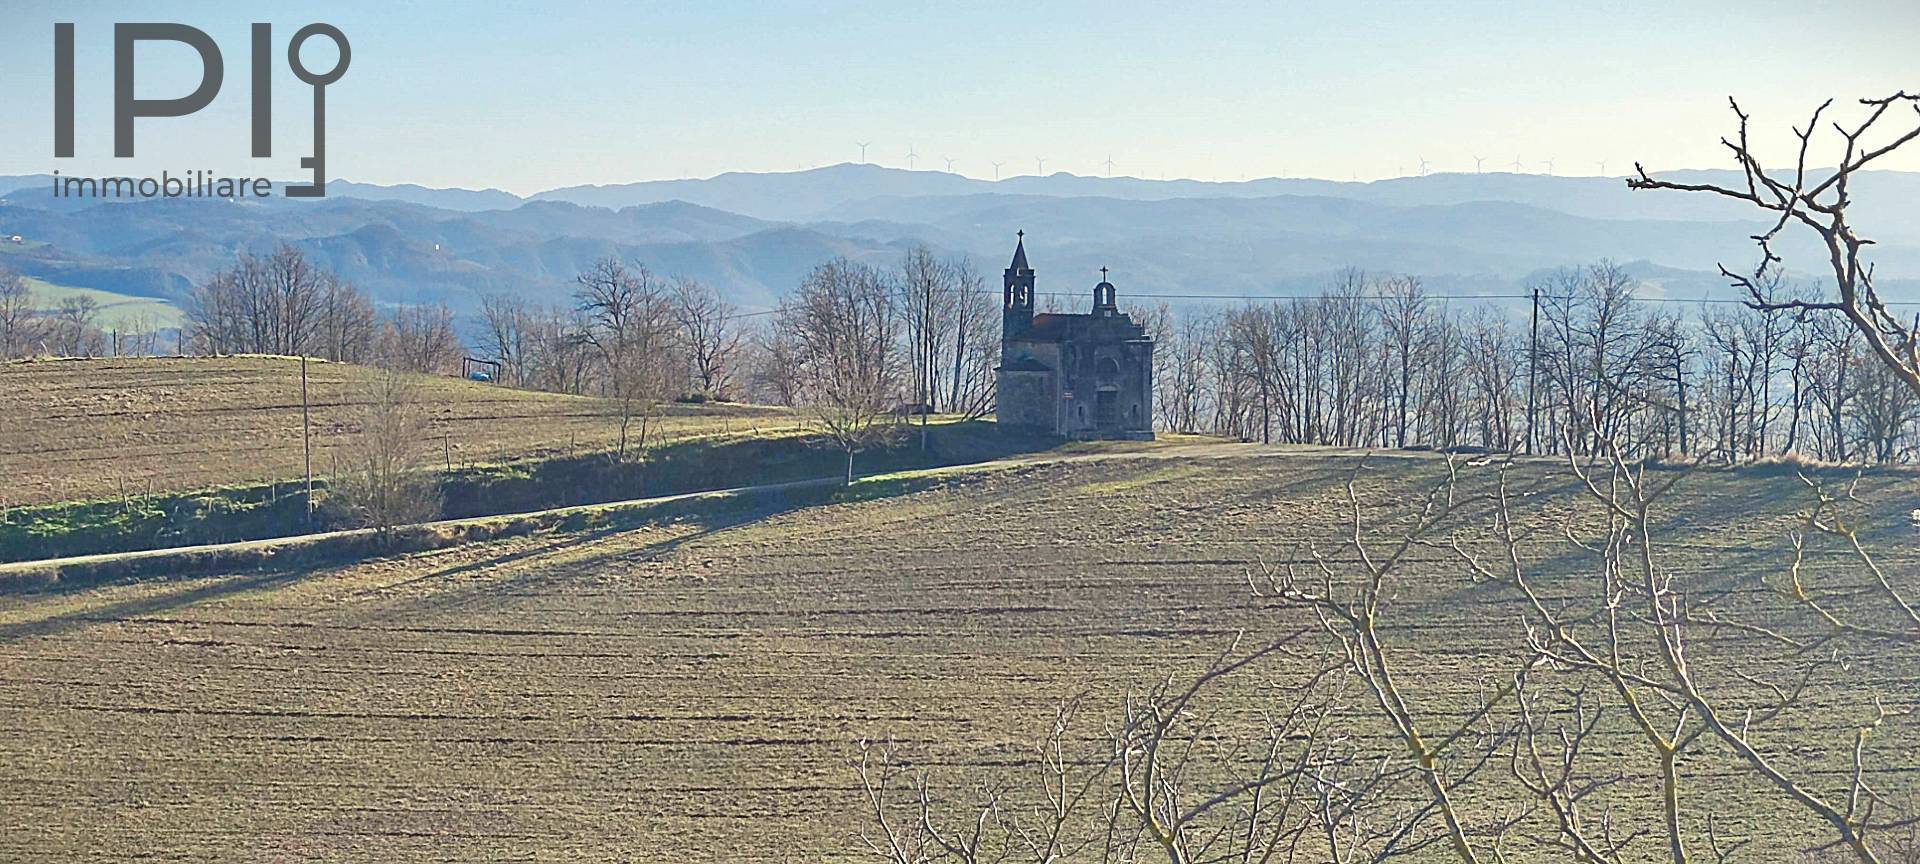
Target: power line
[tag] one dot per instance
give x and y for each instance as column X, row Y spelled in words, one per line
column 1369, row 298
column 1442, row 298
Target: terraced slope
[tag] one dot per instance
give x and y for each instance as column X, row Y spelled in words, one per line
column 80, row 429
column 693, row 691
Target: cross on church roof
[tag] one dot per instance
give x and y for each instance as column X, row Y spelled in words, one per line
column 1103, row 274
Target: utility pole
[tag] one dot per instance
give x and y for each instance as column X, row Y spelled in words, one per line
column 1533, row 364
column 306, row 436
column 1680, row 383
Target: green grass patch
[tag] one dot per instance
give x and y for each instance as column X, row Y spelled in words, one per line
column 116, row 310
column 300, row 554
column 141, row 522
column 696, row 464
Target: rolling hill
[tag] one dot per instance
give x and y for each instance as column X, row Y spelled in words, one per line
column 754, row 235
column 114, row 311
column 695, row 689
column 84, row 429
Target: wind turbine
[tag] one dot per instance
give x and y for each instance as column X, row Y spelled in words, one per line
column 1109, row 164
column 1549, row 164
column 1423, row 166
column 1039, row 166
column 1476, row 163
column 949, row 163
column 863, row 150
column 996, row 170
column 1516, row 166
column 1603, row 167
column 911, row 156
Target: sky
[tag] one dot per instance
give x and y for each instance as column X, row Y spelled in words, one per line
column 531, row 96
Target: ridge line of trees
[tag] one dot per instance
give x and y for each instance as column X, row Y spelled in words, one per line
column 1380, row 362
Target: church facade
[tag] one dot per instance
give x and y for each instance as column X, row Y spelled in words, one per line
column 1075, row 376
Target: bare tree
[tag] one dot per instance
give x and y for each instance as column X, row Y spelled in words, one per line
column 1884, row 414
column 1671, row 353
column 294, row 289
column 709, row 337
column 347, row 325
column 1175, row 781
column 1404, row 316
column 844, row 333
column 1182, row 376
column 504, row 323
column 769, row 355
column 557, row 353
column 135, row 335
column 1364, row 364
column 381, row 481
column 419, row 338
column 1818, row 200
column 976, row 343
column 280, row 304
column 20, row 327
column 73, row 330
column 1447, row 753
column 629, row 326
column 927, row 306
column 1495, row 361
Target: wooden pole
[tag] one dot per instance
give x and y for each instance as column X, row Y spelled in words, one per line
column 306, row 435
column 1533, row 363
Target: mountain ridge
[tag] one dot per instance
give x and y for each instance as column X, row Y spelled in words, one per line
column 1465, row 232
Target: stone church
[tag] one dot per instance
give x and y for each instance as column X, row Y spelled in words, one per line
column 1076, row 376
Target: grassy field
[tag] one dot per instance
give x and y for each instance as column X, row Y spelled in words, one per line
column 115, row 310
column 692, row 691
column 82, row 429
column 692, row 463
column 8, row 247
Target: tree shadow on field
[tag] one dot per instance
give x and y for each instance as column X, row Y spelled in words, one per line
column 1720, row 532
column 705, row 519
column 170, row 596
column 551, row 545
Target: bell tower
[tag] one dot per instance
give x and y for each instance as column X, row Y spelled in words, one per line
column 1104, row 305
column 1016, row 312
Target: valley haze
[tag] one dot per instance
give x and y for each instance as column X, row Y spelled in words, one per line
column 754, row 235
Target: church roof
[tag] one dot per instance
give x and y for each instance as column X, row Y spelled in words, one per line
column 1051, row 326
column 1065, row 326
column 1020, row 255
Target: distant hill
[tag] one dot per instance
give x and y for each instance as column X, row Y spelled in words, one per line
column 408, row 252
column 1887, row 197
column 755, row 235
column 792, row 196
column 466, row 200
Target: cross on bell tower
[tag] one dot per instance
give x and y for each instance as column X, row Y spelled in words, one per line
column 1104, row 305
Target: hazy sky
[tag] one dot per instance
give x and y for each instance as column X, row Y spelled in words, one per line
column 530, row 96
